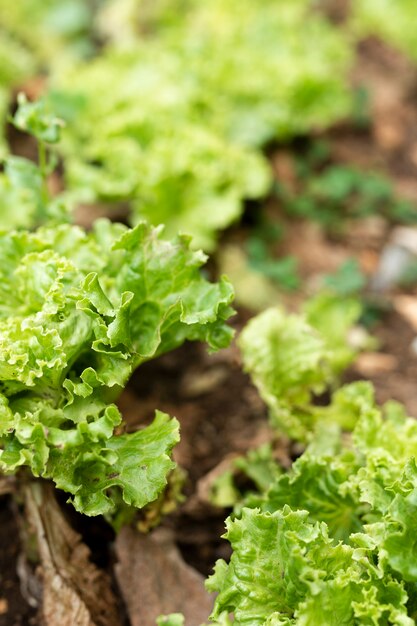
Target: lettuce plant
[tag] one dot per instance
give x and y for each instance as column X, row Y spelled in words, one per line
column 285, row 90
column 292, row 357
column 179, row 135
column 79, row 313
column 333, row 540
column 265, row 80
column 149, row 146
column 23, row 202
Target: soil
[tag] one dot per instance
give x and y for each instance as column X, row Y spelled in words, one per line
column 220, row 412
column 14, row 610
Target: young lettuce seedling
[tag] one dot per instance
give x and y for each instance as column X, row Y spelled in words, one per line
column 25, row 200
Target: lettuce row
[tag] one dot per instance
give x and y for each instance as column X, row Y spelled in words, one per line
column 179, row 135
column 284, row 91
column 79, row 312
column 292, row 357
column 333, row 540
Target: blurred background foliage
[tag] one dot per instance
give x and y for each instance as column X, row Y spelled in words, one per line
column 172, row 108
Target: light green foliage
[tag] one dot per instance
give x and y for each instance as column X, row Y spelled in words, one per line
column 57, row 31
column 79, row 312
column 36, row 119
column 286, row 570
column 16, row 63
column 290, row 85
column 333, row 540
column 290, row 357
column 191, row 103
column 22, row 200
column 392, row 21
column 260, row 466
column 317, row 484
column 20, row 193
column 38, row 35
column 259, row 81
column 284, row 356
column 223, row 492
column 121, row 22
column 25, row 201
column 333, row 317
column 150, row 148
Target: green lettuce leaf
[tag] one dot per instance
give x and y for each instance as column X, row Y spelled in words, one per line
column 286, row 570
column 79, row 312
column 292, row 357
column 318, row 485
column 333, row 540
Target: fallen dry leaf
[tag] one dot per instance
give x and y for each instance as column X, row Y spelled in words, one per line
column 154, row 579
column 75, row 592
